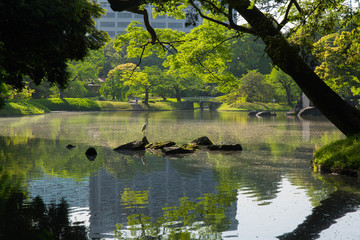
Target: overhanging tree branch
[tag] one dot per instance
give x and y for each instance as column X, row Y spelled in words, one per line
column 163, row 44
column 227, row 25
column 286, row 17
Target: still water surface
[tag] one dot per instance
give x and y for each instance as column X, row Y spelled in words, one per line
column 267, row 191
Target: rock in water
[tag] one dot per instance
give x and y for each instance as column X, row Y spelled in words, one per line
column 224, row 147
column 133, row 146
column 70, row 146
column 144, row 140
column 309, row 111
column 175, row 150
column 160, row 145
column 91, row 153
column 202, row 141
column 252, row 113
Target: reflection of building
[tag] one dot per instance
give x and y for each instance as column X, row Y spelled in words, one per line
column 165, row 187
column 116, row 22
column 53, row 189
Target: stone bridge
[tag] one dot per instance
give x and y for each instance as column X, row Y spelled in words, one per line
column 205, row 102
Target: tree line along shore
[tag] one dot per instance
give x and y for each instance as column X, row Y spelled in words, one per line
column 41, row 106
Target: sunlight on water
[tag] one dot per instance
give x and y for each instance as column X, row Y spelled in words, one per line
column 346, row 228
column 257, row 220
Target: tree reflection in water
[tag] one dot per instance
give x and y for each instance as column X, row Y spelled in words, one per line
column 203, row 218
column 337, row 205
column 23, row 219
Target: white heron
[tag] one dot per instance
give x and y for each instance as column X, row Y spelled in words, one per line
column 143, row 129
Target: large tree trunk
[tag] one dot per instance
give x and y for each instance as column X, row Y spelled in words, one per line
column 288, row 96
column 178, row 95
column 146, row 98
column 288, row 58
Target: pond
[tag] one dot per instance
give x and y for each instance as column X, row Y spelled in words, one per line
column 267, row 191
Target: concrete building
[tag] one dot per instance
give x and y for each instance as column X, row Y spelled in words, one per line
column 115, row 23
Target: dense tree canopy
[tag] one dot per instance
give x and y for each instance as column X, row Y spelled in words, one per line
column 38, row 37
column 337, row 68
column 274, row 22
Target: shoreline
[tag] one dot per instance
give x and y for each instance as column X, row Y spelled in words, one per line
column 17, row 108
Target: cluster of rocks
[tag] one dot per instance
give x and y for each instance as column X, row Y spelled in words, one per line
column 169, row 147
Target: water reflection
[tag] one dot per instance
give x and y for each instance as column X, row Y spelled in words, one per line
column 158, row 197
column 24, row 219
column 335, row 206
column 265, row 191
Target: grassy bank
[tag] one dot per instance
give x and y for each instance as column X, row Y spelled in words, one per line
column 21, row 107
column 162, row 106
column 41, row 106
column 254, row 106
column 342, row 156
column 66, row 104
column 114, row 106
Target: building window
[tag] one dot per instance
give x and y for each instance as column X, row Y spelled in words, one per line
column 160, row 17
column 175, row 25
column 109, row 15
column 138, row 15
column 107, row 24
column 123, row 24
column 124, row 15
column 158, row 25
column 111, row 33
column 104, row 4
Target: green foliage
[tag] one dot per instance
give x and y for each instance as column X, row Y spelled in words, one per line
column 139, row 82
column 201, row 54
column 342, row 154
column 21, row 107
column 254, row 87
column 55, row 32
column 204, row 52
column 113, row 106
column 136, row 41
column 114, row 86
column 284, row 86
column 247, row 53
column 76, row 89
column 43, row 90
column 340, row 73
column 13, row 93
